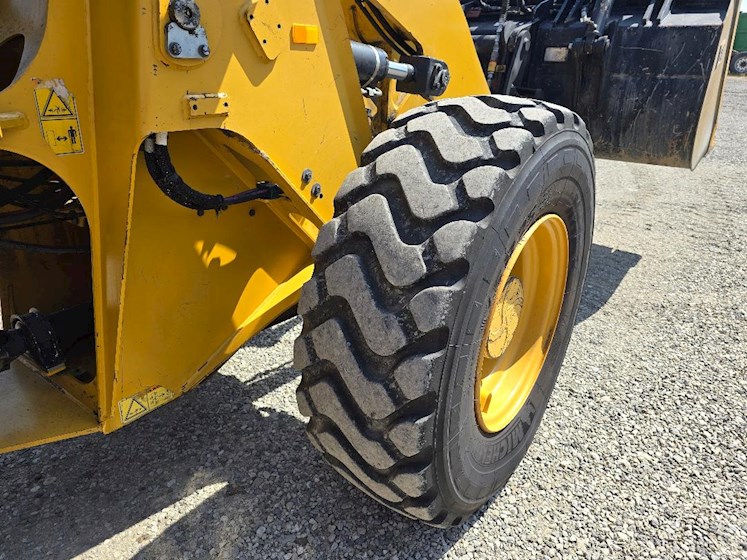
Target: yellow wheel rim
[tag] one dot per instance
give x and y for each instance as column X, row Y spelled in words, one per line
column 521, row 323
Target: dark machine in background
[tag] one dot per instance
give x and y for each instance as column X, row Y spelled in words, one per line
column 646, row 75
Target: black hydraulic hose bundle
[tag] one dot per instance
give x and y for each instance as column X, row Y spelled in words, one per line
column 46, row 249
column 42, row 198
column 163, row 173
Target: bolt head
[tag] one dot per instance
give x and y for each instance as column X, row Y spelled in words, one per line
column 204, row 51
column 316, row 190
column 185, row 13
column 307, row 175
column 175, row 49
column 441, row 79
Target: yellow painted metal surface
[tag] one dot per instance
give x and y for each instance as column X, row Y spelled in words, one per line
column 521, row 322
column 266, row 20
column 63, row 54
column 175, row 294
column 441, row 28
column 12, row 119
column 33, row 411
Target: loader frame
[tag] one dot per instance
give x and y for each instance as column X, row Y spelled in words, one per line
column 274, row 99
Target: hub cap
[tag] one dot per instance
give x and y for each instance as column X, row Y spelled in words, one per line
column 521, row 323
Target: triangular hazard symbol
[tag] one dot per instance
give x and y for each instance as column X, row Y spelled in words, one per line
column 56, row 107
column 136, row 408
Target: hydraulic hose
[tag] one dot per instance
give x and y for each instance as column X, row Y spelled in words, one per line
column 163, row 173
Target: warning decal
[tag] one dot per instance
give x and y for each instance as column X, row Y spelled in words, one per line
column 58, row 118
column 132, row 408
column 55, row 107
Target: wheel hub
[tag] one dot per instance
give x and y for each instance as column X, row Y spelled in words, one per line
column 521, row 323
column 504, row 318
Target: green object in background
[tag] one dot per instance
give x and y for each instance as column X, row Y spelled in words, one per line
column 738, row 63
column 740, row 40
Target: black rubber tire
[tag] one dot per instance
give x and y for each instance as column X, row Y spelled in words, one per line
column 738, row 63
column 403, row 283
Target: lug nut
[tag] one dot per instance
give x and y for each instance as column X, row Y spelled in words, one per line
column 307, row 175
column 316, row 190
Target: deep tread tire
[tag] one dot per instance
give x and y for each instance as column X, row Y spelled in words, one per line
column 392, row 314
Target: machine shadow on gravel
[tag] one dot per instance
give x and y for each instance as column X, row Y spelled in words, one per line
column 278, row 483
column 607, row 269
column 270, row 474
column 273, row 483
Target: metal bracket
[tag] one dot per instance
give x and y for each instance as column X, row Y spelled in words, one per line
column 185, row 37
column 267, row 26
column 431, row 76
column 207, row 104
column 184, row 44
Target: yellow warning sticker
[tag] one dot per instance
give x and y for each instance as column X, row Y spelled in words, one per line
column 132, row 408
column 58, row 118
column 54, row 106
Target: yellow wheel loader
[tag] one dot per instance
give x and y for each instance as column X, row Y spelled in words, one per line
column 415, row 179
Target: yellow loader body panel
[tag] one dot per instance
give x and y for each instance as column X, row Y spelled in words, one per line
column 174, row 293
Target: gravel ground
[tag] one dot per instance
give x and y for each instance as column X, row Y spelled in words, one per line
column 641, row 453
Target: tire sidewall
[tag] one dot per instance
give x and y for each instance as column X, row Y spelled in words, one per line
column 735, row 60
column 557, row 179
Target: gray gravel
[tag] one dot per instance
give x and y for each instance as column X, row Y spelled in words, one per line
column 641, row 454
